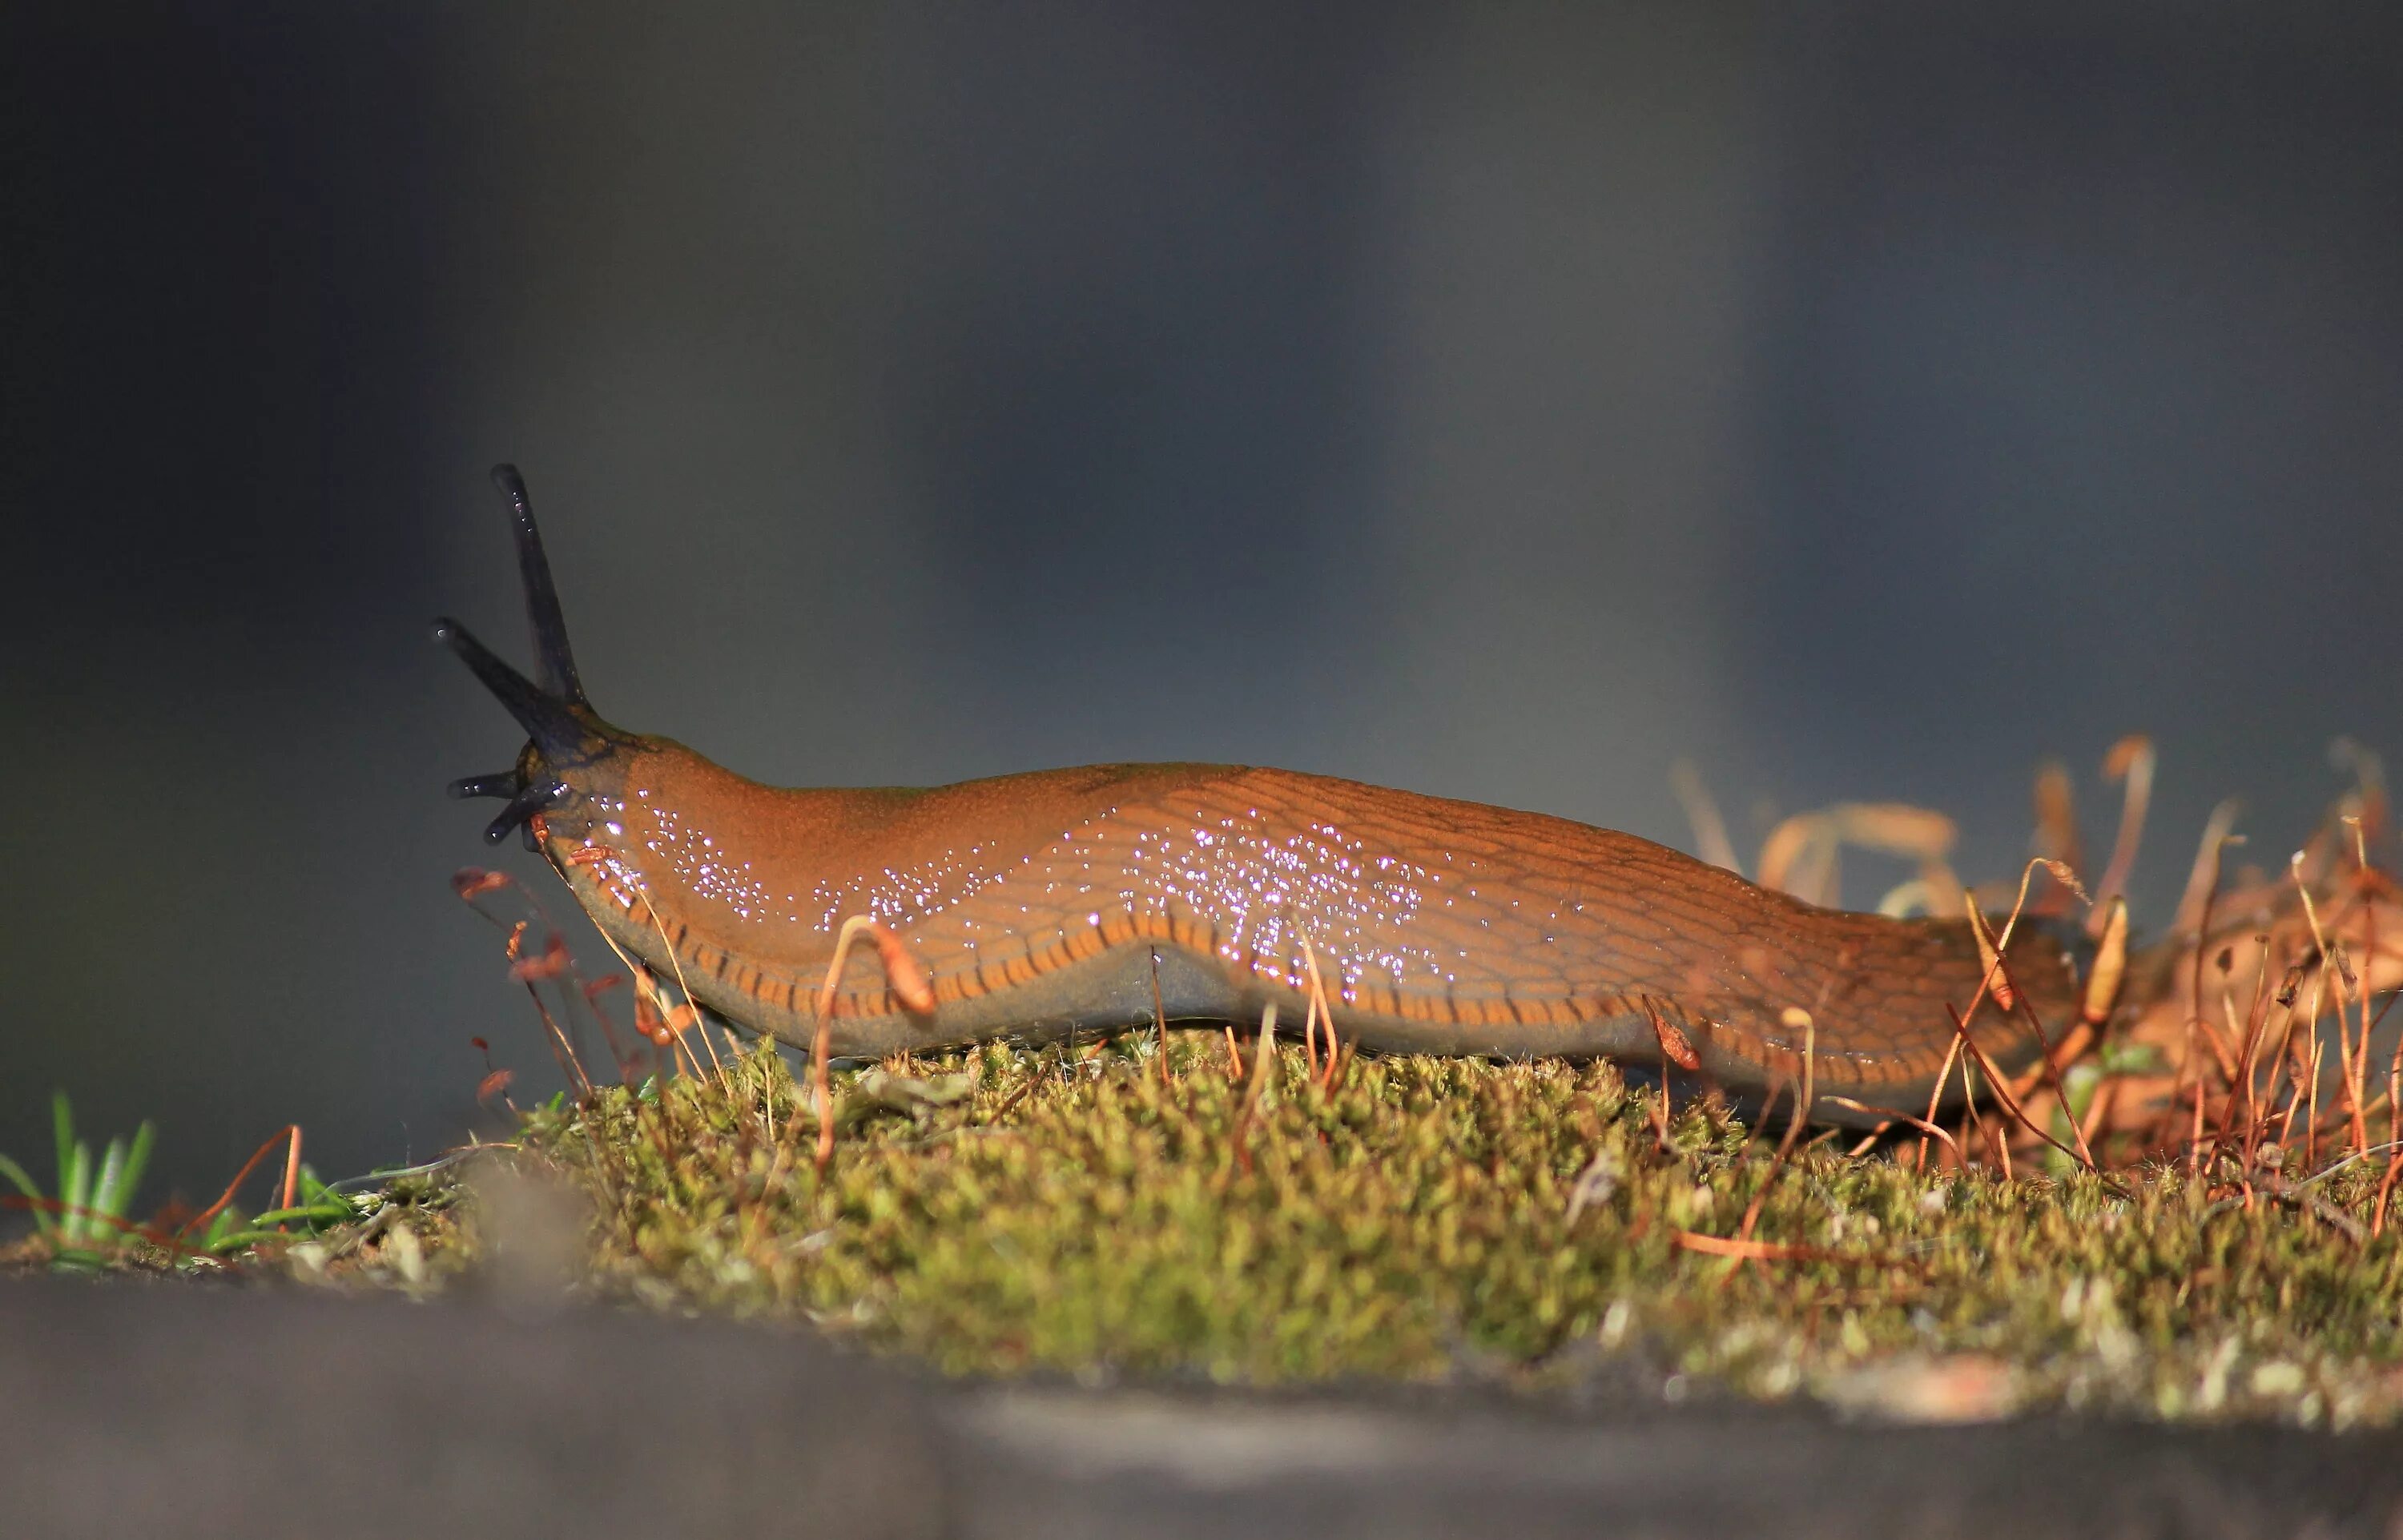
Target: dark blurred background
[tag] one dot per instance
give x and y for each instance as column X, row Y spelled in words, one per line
column 1501, row 402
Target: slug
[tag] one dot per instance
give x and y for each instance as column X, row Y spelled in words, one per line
column 1061, row 901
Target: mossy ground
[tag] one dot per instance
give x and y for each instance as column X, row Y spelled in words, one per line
column 1070, row 1210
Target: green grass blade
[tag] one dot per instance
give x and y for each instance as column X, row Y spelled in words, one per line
column 75, row 1195
column 98, row 1227
column 226, row 1245
column 63, row 1131
column 24, row 1183
column 229, row 1220
column 335, row 1212
column 137, row 1162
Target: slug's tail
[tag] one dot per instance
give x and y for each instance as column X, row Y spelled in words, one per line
column 554, row 713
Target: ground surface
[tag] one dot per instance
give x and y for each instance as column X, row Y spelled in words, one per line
column 1065, row 1292
column 1532, row 1227
column 131, row 1410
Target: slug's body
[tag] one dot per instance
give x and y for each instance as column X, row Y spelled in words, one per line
column 1050, row 903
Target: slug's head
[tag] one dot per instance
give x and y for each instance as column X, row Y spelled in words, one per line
column 571, row 750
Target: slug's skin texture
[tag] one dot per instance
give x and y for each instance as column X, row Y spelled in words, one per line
column 1042, row 904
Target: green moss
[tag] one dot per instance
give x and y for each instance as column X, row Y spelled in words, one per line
column 1434, row 1218
column 1438, row 1219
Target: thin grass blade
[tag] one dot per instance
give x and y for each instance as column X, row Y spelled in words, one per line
column 137, row 1161
column 330, row 1212
column 63, row 1134
column 228, row 1221
column 105, row 1193
column 24, row 1183
column 75, row 1195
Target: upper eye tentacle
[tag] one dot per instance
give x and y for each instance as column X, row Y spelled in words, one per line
column 555, row 663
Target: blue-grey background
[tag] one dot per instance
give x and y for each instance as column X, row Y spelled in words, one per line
column 1501, row 402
